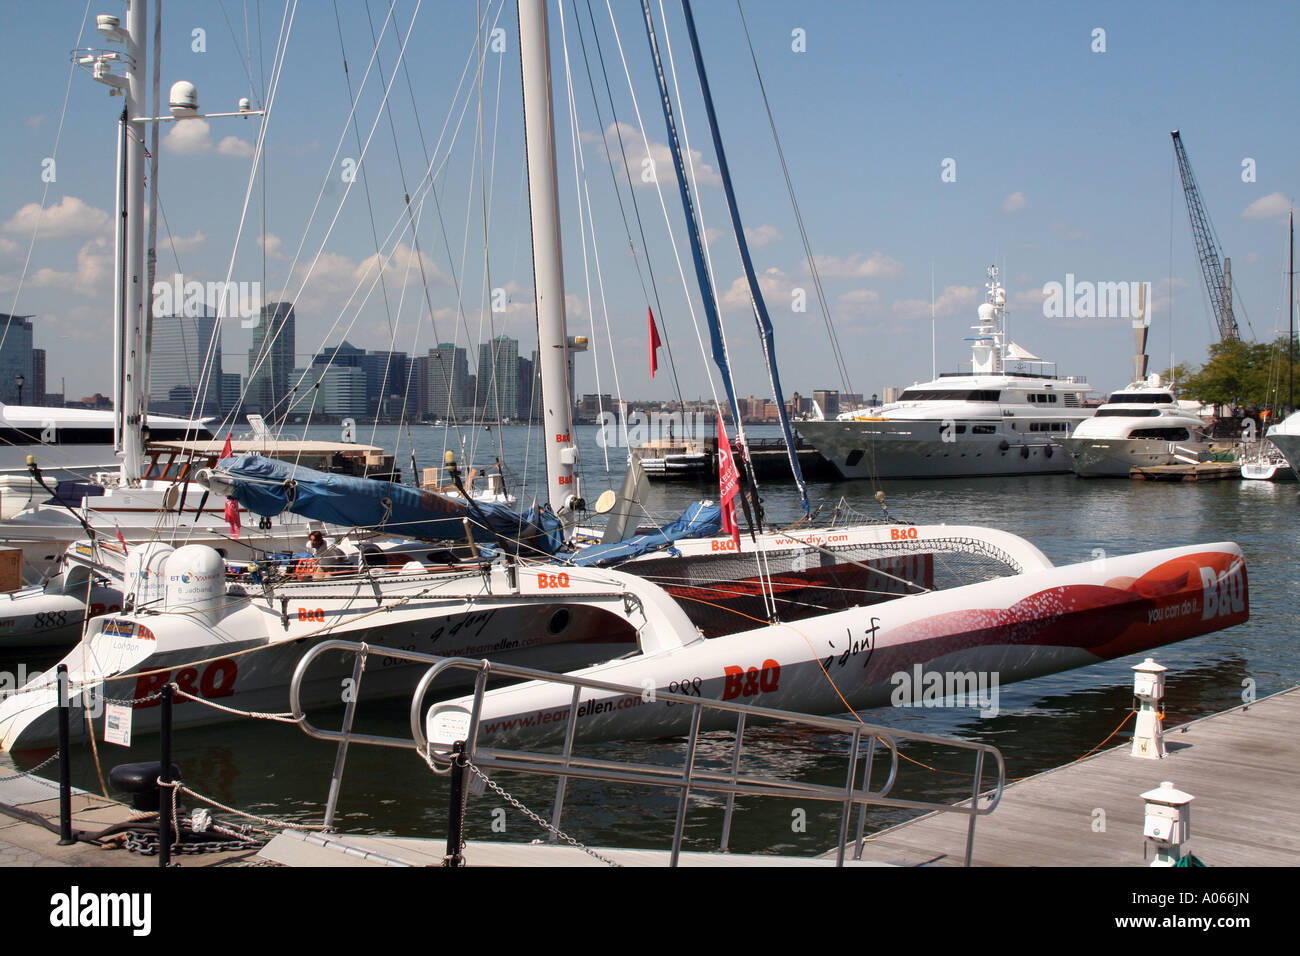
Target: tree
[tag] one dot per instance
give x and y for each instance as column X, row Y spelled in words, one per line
column 1243, row 374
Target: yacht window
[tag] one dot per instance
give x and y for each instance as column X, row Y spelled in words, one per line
column 1163, row 434
column 950, row 395
column 983, row 429
column 1128, row 413
column 1142, row 398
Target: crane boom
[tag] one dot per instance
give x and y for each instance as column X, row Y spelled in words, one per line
column 1214, row 268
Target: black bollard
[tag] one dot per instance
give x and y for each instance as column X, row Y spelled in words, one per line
column 65, row 759
column 165, row 776
column 456, row 806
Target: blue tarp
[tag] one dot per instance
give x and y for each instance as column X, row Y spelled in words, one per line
column 697, row 521
column 267, row 487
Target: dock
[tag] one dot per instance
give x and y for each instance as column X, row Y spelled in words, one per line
column 1241, row 765
column 1201, row 471
column 25, row 842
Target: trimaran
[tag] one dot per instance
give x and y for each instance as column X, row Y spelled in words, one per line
column 908, row 604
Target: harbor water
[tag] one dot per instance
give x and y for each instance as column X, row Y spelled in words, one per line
column 275, row 770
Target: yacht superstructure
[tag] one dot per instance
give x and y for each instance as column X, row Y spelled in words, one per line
column 1004, row 417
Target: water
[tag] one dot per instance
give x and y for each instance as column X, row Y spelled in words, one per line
column 275, row 770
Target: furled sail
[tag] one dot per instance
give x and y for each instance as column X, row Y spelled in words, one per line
column 266, row 486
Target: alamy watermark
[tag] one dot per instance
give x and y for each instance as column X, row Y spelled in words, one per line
column 643, row 427
column 194, row 299
column 1075, row 299
column 922, row 688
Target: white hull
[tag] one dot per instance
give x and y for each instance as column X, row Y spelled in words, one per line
column 1116, row 457
column 866, row 449
column 1011, row 629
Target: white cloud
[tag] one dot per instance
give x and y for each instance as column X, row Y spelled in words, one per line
column 35, row 121
column 1014, row 202
column 67, row 217
column 660, row 155
column 10, row 248
column 953, row 299
column 93, row 276
column 184, row 243
column 189, row 137
column 761, row 236
column 875, row 266
column 272, row 244
column 1066, row 231
column 712, row 235
column 774, row 283
column 857, row 302
column 1272, row 206
column 234, row 146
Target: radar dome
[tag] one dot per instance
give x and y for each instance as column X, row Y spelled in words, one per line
column 987, row 311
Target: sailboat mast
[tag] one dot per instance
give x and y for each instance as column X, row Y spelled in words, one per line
column 548, row 273
column 130, row 409
column 1290, row 315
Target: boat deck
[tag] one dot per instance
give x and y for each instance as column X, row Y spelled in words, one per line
column 1242, row 766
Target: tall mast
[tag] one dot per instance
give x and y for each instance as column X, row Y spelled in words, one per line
column 1290, row 315
column 130, row 278
column 548, row 274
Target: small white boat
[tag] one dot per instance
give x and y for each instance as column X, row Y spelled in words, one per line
column 1267, row 464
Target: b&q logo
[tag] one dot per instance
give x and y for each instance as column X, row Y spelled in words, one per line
column 1223, row 593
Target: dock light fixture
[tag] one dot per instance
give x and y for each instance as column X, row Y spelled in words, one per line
column 1148, row 693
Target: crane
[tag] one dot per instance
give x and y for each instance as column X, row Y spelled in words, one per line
column 1217, row 270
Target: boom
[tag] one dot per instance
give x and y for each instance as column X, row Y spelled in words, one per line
column 1217, row 270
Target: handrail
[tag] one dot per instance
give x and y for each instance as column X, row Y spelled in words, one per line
column 855, row 792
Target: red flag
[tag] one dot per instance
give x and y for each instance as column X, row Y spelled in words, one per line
column 119, row 534
column 729, row 483
column 232, row 516
column 654, row 344
column 225, row 449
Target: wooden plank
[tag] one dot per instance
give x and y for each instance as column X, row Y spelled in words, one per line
column 1243, row 767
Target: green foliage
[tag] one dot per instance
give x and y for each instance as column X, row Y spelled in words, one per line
column 1243, row 374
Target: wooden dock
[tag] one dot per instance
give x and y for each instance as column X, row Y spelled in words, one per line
column 24, row 842
column 1201, row 471
column 1242, row 766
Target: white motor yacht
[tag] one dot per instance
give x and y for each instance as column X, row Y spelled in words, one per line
column 1141, row 425
column 1001, row 418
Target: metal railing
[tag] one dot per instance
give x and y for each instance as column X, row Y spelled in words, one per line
column 867, row 741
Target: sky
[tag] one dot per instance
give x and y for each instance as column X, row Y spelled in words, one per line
column 924, row 141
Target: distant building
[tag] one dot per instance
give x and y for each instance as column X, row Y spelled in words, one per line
column 16, row 359
column 527, row 377
column 39, row 394
column 498, row 378
column 184, row 359
column 341, row 392
column 385, row 381
column 448, row 384
column 270, row 360
column 231, row 383
column 829, row 401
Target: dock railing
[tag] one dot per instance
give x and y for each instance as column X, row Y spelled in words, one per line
column 868, row 743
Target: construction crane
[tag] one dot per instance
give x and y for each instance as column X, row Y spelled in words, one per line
column 1217, row 270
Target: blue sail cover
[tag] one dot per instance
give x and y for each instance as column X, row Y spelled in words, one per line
column 267, row 487
column 697, row 521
